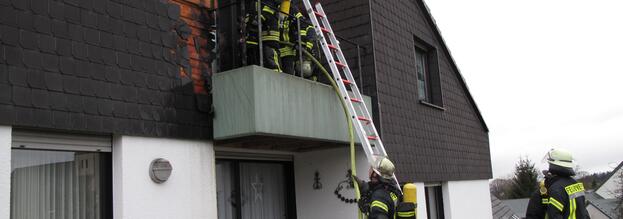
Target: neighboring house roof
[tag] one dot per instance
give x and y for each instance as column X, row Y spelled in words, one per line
column 591, row 195
column 612, row 176
column 453, row 64
column 501, row 210
column 518, row 206
column 608, row 207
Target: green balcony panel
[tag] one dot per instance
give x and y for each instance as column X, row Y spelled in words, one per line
column 254, row 101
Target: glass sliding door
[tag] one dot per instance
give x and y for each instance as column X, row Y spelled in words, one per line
column 60, row 184
column 226, row 197
column 254, row 190
column 263, row 191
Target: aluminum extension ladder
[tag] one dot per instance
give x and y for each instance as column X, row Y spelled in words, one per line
column 358, row 112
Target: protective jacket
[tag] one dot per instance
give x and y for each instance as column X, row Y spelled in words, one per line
column 566, row 199
column 382, row 201
column 537, row 206
column 269, row 34
column 290, row 33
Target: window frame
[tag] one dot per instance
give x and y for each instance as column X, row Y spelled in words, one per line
column 423, row 54
column 432, row 76
column 55, row 141
column 440, row 208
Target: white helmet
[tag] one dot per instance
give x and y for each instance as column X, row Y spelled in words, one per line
column 559, row 157
column 384, row 168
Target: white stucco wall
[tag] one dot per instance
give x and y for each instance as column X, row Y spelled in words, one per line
column 467, row 199
column 421, row 199
column 190, row 192
column 609, row 188
column 332, row 165
column 5, row 171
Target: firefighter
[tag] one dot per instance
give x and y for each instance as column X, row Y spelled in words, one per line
column 290, row 33
column 539, row 201
column 565, row 195
column 270, row 35
column 380, row 195
column 308, row 36
column 251, row 39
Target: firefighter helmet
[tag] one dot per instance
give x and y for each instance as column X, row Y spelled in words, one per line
column 384, row 168
column 560, row 157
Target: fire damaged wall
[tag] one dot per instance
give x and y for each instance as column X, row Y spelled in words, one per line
column 130, row 67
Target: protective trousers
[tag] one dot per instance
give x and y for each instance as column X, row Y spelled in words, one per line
column 271, row 55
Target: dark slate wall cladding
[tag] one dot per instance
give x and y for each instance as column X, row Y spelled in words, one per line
column 350, row 19
column 428, row 144
column 107, row 66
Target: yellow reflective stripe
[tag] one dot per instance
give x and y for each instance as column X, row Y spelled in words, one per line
column 298, row 15
column 270, row 33
column 268, row 9
column 394, row 197
column 556, row 203
column 287, row 51
column 573, row 206
column 276, row 59
column 545, row 201
column 270, row 38
column 406, row 214
column 575, row 188
column 309, row 45
column 380, row 205
column 252, row 42
column 303, row 33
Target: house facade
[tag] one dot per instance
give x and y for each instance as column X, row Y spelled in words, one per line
column 93, row 93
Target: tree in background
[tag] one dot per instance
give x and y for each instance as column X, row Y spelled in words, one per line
column 592, row 180
column 500, row 188
column 524, row 182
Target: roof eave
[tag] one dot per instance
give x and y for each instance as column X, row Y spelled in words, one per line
column 431, row 20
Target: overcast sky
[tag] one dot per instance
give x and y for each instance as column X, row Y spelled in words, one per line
column 543, row 73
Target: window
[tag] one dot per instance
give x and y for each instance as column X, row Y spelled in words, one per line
column 420, row 67
column 427, row 74
column 50, row 181
column 434, row 202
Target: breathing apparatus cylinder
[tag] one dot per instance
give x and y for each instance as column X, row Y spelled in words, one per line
column 410, row 193
column 285, row 9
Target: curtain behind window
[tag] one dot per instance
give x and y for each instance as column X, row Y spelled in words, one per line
column 263, row 191
column 56, row 184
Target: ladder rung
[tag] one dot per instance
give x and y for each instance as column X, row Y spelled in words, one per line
column 347, row 82
column 342, row 65
column 325, row 30
column 363, row 119
column 331, row 46
column 371, row 137
column 355, row 100
column 318, row 14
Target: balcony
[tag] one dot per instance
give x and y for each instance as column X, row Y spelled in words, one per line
column 260, row 109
